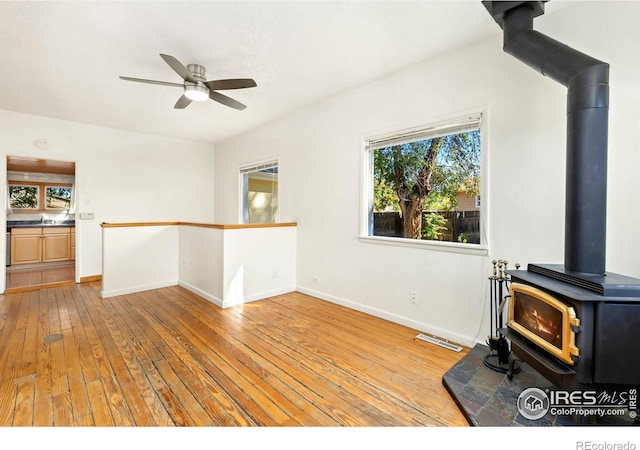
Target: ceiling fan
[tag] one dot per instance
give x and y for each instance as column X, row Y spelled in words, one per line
column 196, row 87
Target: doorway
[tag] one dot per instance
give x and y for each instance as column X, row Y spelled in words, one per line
column 40, row 223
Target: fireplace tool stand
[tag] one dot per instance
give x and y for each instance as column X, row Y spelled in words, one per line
column 500, row 357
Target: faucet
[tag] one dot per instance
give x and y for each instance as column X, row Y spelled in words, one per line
column 42, row 219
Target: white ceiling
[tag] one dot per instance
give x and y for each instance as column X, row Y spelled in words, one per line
column 62, row 59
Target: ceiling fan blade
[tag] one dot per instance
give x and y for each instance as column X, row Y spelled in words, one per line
column 236, row 83
column 179, row 68
column 228, row 101
column 141, row 80
column 182, row 103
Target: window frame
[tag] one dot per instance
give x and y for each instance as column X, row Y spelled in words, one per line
column 56, row 185
column 42, row 205
column 243, row 171
column 38, row 187
column 366, row 198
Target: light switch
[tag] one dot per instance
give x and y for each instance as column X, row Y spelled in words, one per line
column 85, row 216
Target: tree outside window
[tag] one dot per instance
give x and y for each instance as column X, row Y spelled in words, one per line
column 24, row 196
column 33, row 196
column 425, row 184
column 58, row 197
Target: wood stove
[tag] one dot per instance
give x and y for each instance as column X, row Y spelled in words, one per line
column 594, row 338
column 545, row 321
column 588, row 332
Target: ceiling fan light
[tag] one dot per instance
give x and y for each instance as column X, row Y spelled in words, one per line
column 196, row 93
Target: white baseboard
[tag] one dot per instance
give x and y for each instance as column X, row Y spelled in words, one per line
column 228, row 303
column 212, row 298
column 259, row 296
column 134, row 289
column 467, row 341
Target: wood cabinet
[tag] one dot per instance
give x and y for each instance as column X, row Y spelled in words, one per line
column 42, row 244
column 26, row 245
column 56, row 244
column 72, row 244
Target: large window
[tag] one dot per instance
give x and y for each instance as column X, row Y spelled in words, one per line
column 34, row 197
column 424, row 183
column 259, row 187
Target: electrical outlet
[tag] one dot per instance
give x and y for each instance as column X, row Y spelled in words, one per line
column 316, row 279
column 274, row 274
column 413, row 298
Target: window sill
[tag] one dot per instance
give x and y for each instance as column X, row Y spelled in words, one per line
column 451, row 247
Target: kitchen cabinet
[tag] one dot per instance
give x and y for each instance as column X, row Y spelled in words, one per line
column 41, row 244
column 72, row 244
column 26, row 245
column 56, row 244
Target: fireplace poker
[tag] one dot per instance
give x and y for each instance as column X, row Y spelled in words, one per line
column 492, row 294
column 499, row 315
column 496, row 299
column 503, row 300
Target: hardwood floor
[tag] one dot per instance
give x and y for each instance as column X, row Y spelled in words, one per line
column 36, row 277
column 170, row 358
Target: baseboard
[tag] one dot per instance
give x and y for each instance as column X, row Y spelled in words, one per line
column 460, row 339
column 260, row 296
column 90, row 278
column 210, row 297
column 134, row 289
column 226, row 304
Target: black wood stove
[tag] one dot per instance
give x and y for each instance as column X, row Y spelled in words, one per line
column 577, row 324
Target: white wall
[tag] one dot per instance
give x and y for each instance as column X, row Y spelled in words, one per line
column 319, row 150
column 226, row 266
column 258, row 263
column 202, row 262
column 121, row 176
column 138, row 259
column 234, row 266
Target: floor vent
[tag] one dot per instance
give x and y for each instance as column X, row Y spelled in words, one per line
column 52, row 338
column 455, row 348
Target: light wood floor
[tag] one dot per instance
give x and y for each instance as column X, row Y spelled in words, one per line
column 169, row 358
column 30, row 278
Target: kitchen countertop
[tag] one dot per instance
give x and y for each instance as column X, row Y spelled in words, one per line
column 38, row 224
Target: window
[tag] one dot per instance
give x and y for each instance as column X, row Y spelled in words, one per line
column 33, row 196
column 259, row 188
column 58, row 197
column 23, row 196
column 424, row 183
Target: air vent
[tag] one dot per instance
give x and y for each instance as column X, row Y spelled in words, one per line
column 444, row 344
column 566, row 278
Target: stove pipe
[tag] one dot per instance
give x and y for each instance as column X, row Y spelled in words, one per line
column 587, row 81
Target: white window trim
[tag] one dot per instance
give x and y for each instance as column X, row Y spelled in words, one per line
column 38, row 194
column 252, row 167
column 366, row 194
column 46, row 208
column 451, row 247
